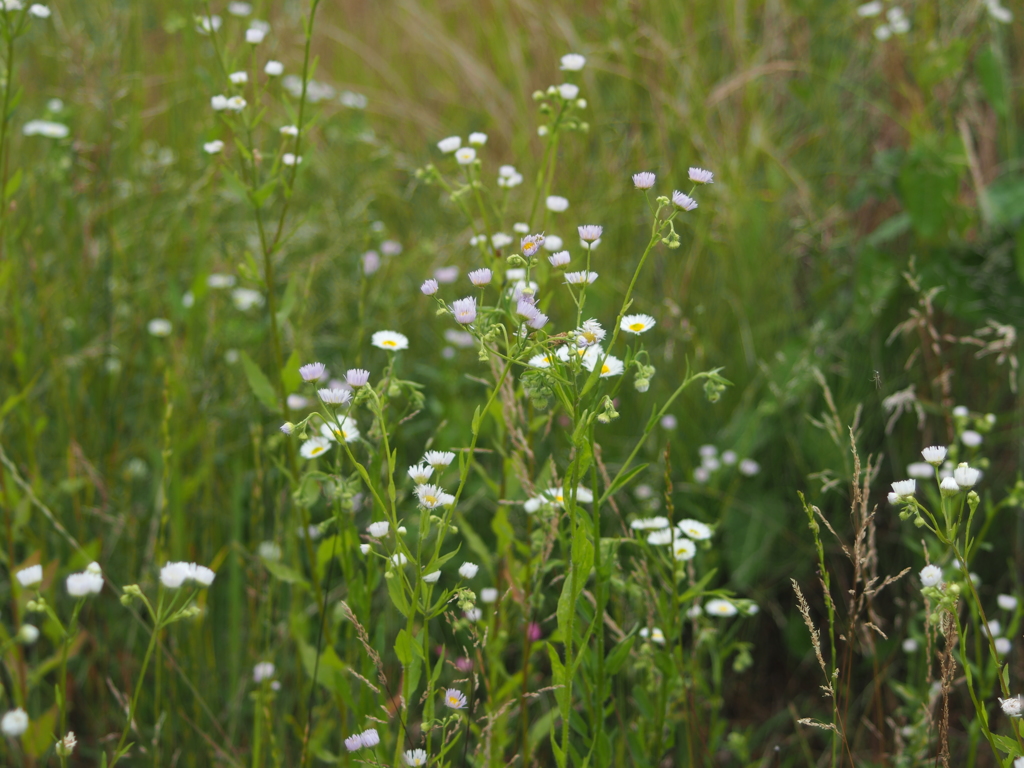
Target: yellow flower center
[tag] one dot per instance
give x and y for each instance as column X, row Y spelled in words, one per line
column 453, row 701
column 430, row 499
column 388, row 343
column 316, row 450
column 636, row 327
column 605, row 369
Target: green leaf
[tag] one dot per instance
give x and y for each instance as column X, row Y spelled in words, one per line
column 624, row 480
column 291, row 295
column 992, row 77
column 403, row 648
column 617, row 656
column 261, row 195
column 285, row 573
column 397, row 594
column 258, row 382
column 13, row 184
column 290, row 376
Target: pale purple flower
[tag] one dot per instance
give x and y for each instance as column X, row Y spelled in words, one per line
column 526, row 308
column 354, row 742
column 531, row 243
column 559, row 259
column 480, row 277
column 590, row 232
column 556, row 203
column 391, row 247
column 538, row 321
column 644, row 180
column 357, row 377
column 464, row 310
column 371, row 262
column 685, row 202
column 429, row 287
column 700, row 176
column 446, row 275
column 578, row 278
column 369, row 738
column 312, row 371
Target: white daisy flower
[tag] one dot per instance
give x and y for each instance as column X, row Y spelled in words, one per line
column 904, row 488
column 1007, row 602
column 236, row 104
column 540, row 361
column 289, row 130
column 589, row 334
column 637, row 323
column 41, row 11
column 314, row 447
column 274, row 68
column 414, row 757
column 335, row 396
column 965, row 476
column 610, row 366
column 477, row 139
column 579, row 278
column 749, row 467
column 488, row 595
column 590, row 232
column 531, row 243
column 213, row 147
column 572, row 62
column 521, row 227
column 552, row 243
column 556, row 203
column 432, row 577
column 389, row 340
column 684, row 549
column 931, row 576
column 429, row 287
column 291, row 159
column 568, row 91
column 439, row 459
column 159, row 327
column 934, row 454
column 420, row 473
column 867, row 10
column 312, row 371
column 719, row 607
column 431, row 496
column 239, row 78
column 1012, row 707
column 378, row 529
column 450, row 144
column 454, row 699
column 14, row 723
column 465, row 156
column 398, row 559
column 347, row 430
column 29, row 577
column 468, row 570
column 559, row 259
column 464, row 310
column 660, row 537
column 254, row 35
column 694, row 529
column 920, row 470
column 649, row 523
column 501, row 240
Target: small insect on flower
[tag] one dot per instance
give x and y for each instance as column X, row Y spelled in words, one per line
column 590, row 232
column 531, row 243
column 414, row 757
column 719, row 607
column 335, row 396
column 454, row 699
column 643, row 180
column 30, row 576
column 465, row 156
column 274, row 68
column 464, row 310
column 480, row 277
column 312, row 371
column 468, row 570
column 390, row 341
column 700, row 176
column 931, row 576
column 556, row 203
column 580, row 278
column 314, row 447
column 682, row 201
column 637, row 324
column 572, row 62
column 449, row 145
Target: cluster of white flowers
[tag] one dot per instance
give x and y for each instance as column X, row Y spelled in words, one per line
column 711, row 462
column 88, row 582
column 173, row 575
column 368, row 739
